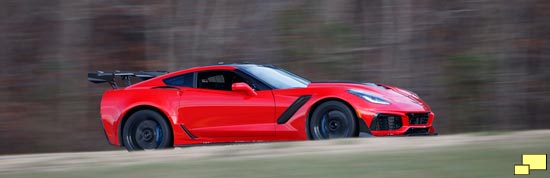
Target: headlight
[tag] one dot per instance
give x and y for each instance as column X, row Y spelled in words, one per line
column 369, row 97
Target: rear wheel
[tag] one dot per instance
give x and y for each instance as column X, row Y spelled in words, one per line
column 146, row 130
column 332, row 119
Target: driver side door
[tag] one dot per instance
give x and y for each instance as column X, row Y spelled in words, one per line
column 211, row 109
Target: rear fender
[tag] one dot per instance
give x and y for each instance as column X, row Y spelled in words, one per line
column 118, row 105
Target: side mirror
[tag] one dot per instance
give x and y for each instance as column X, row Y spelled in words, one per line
column 243, row 87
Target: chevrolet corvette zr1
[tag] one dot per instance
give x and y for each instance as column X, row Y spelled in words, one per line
column 250, row 103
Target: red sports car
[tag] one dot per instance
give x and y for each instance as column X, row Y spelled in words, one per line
column 250, row 103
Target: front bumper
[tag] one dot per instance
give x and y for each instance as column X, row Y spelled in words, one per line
column 398, row 123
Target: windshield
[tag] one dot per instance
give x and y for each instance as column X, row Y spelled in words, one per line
column 276, row 77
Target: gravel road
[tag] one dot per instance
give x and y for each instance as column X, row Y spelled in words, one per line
column 68, row 161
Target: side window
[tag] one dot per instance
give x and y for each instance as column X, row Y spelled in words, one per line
column 214, row 79
column 217, row 80
column 185, row 80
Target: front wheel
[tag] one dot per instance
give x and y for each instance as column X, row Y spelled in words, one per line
column 146, row 130
column 332, row 119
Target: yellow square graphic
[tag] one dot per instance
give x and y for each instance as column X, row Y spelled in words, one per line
column 535, row 161
column 521, row 169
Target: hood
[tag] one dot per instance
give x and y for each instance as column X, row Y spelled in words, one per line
column 395, row 95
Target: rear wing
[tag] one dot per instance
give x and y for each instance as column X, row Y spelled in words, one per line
column 111, row 77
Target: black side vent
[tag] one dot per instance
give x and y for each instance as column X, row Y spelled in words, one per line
column 289, row 112
column 418, row 118
column 386, row 122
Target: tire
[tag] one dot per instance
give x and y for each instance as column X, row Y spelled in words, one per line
column 146, row 130
column 332, row 119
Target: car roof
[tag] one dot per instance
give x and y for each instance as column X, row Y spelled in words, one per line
column 242, row 64
column 219, row 66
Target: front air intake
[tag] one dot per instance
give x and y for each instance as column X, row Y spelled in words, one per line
column 386, row 122
column 418, row 118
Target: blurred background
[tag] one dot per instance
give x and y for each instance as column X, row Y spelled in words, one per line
column 480, row 64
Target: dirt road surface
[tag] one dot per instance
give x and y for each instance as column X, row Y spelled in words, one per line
column 13, row 164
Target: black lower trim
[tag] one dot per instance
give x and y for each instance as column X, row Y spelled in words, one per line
column 417, row 131
column 363, row 126
column 289, row 112
column 187, row 132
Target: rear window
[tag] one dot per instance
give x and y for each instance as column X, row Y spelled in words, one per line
column 185, row 80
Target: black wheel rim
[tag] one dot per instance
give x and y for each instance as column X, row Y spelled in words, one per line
column 333, row 124
column 146, row 135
